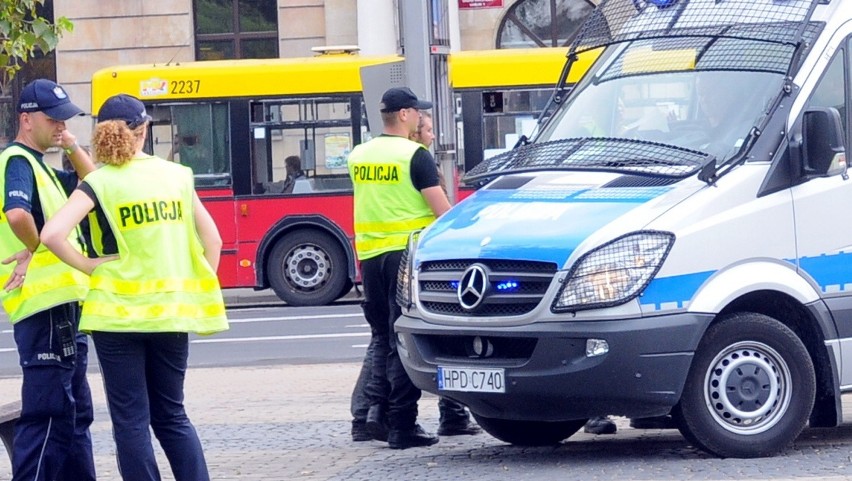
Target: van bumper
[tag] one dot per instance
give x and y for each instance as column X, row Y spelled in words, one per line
column 548, row 376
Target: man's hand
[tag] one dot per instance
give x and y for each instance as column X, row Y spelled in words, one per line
column 67, row 140
column 22, row 259
column 80, row 159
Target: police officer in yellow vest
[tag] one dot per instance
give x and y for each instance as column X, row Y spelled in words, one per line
column 41, row 294
column 396, row 192
column 153, row 282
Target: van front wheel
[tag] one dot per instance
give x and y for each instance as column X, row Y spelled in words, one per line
column 750, row 389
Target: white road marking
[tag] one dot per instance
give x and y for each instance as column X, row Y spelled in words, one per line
column 291, row 318
column 279, row 338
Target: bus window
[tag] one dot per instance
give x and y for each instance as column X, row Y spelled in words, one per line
column 509, row 114
column 492, row 121
column 195, row 135
column 321, row 131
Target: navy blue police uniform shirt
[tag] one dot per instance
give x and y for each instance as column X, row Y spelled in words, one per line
column 21, row 191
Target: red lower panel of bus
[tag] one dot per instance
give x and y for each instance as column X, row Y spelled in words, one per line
column 245, row 223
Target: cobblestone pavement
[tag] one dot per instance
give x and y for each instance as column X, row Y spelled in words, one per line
column 292, row 423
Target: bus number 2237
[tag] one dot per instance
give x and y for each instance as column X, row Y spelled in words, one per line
column 182, row 87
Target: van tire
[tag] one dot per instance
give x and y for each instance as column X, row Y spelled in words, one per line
column 529, row 433
column 307, row 268
column 750, row 389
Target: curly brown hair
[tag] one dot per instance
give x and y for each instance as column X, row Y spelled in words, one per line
column 114, row 142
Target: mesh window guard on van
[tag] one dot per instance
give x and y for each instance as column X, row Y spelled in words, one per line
column 617, row 21
column 595, row 154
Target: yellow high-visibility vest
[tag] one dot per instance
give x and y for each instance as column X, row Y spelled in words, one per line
column 387, row 206
column 161, row 281
column 49, row 282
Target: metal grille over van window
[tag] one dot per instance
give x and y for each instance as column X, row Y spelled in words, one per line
column 512, row 288
column 624, row 20
column 591, row 154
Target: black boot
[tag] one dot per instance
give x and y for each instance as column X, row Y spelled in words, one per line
column 454, row 419
column 467, row 427
column 410, row 438
column 377, row 424
column 600, row 425
column 655, row 422
column 360, row 432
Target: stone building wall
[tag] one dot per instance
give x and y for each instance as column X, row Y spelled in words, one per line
column 157, row 31
column 113, row 33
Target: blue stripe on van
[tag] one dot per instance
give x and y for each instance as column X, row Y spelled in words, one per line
column 832, row 272
column 829, row 270
column 674, row 289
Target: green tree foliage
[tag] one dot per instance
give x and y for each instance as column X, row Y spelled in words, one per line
column 24, row 32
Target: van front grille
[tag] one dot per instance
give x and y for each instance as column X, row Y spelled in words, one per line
column 513, row 288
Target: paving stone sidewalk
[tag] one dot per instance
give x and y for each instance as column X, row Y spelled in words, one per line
column 263, row 423
column 291, row 422
column 255, row 423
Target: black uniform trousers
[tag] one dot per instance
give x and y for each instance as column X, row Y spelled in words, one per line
column 144, row 376
column 389, row 385
column 450, row 412
column 52, row 440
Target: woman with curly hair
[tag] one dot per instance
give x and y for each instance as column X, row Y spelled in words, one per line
column 153, row 282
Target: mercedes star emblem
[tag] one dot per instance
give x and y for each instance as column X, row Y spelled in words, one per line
column 473, row 287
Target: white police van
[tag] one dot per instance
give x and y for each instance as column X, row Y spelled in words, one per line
column 673, row 240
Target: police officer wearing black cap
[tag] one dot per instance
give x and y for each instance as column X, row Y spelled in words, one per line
column 41, row 295
column 396, row 192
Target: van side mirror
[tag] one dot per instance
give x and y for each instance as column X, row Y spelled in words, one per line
column 823, row 150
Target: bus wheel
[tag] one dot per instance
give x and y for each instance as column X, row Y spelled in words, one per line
column 750, row 389
column 529, row 433
column 307, row 268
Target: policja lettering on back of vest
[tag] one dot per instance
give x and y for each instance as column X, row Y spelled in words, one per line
column 377, row 173
column 149, row 212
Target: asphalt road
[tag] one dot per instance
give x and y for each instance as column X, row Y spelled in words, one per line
column 269, row 334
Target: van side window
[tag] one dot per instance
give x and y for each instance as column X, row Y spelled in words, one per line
column 831, row 90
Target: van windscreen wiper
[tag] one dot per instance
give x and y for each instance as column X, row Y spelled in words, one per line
column 637, row 157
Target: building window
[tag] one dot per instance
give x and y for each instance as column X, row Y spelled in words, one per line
column 542, row 23
column 228, row 29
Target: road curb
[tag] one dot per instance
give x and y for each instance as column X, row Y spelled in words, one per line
column 247, row 296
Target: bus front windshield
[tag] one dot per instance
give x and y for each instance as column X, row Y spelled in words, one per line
column 711, row 111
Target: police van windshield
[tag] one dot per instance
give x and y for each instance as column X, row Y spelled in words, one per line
column 678, row 86
column 711, row 111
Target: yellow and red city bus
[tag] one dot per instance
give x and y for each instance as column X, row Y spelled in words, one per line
column 234, row 122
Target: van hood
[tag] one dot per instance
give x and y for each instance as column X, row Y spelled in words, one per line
column 537, row 217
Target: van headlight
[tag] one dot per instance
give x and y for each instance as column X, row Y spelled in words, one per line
column 615, row 272
column 404, row 295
